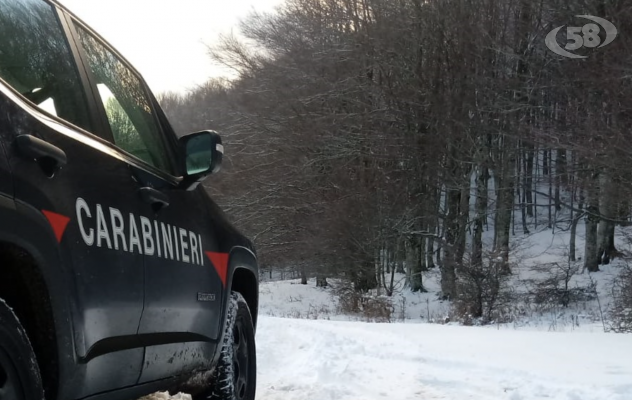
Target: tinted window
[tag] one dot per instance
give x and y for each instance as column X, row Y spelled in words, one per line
column 127, row 105
column 35, row 60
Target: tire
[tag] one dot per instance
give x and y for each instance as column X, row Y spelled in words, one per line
column 19, row 374
column 235, row 377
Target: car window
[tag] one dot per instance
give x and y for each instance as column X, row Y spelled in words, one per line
column 35, row 59
column 127, row 105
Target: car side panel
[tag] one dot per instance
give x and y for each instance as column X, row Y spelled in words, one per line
column 165, row 360
column 173, row 288
column 182, row 298
column 177, row 358
column 172, row 285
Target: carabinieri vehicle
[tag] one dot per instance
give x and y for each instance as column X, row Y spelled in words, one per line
column 119, row 276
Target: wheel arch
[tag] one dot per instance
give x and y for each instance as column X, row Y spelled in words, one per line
column 24, row 289
column 31, row 283
column 244, row 278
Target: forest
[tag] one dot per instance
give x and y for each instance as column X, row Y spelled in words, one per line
column 366, row 138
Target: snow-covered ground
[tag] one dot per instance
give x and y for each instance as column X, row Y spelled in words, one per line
column 319, row 359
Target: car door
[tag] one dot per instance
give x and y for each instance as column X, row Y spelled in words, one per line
column 79, row 185
column 182, row 290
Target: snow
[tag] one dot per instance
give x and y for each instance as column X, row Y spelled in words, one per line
column 320, row 359
column 290, row 299
column 166, row 396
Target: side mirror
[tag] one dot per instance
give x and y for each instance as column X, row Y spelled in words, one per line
column 203, row 153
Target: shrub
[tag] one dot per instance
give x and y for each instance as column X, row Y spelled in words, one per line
column 554, row 289
column 483, row 292
column 370, row 307
column 621, row 312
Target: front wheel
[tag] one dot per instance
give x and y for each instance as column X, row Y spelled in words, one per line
column 235, row 377
column 19, row 374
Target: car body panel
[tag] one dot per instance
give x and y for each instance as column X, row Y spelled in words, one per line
column 183, row 291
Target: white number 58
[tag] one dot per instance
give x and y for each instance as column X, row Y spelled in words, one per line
column 578, row 37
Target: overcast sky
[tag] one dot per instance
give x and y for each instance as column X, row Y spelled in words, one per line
column 166, row 39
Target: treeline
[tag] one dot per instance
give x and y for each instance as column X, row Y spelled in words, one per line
column 370, row 136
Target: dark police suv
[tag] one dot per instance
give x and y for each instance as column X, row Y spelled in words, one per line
column 119, row 276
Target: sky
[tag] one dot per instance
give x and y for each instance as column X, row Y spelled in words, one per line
column 166, row 40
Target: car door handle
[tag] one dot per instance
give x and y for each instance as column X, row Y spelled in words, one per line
column 49, row 156
column 156, row 198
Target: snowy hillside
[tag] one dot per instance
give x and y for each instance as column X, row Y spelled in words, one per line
column 290, row 299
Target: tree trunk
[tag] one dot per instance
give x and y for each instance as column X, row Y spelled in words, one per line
column 572, row 246
column 450, row 248
column 399, row 257
column 528, row 179
column 378, row 270
column 561, row 167
column 550, row 208
column 464, row 216
column 321, row 281
column 522, row 197
column 504, row 209
column 607, row 211
column 364, row 277
column 303, row 276
column 439, row 228
column 481, row 210
column 413, row 265
column 432, row 227
column 561, row 178
column 591, row 256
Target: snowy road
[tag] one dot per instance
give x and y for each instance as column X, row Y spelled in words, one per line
column 321, row 360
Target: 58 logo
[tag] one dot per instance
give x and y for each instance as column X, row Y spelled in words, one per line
column 596, row 34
